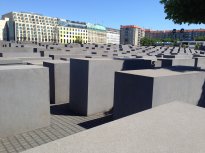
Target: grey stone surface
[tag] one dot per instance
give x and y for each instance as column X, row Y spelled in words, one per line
column 59, row 56
column 171, row 128
column 139, row 90
column 10, row 61
column 178, row 56
column 19, row 54
column 34, row 62
column 177, row 62
column 92, row 84
column 59, row 75
column 24, row 99
column 17, row 49
column 137, row 64
column 92, row 81
column 34, row 58
column 200, row 62
column 62, row 124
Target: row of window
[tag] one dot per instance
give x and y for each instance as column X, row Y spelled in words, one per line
column 37, row 23
column 33, row 29
column 68, row 35
column 74, row 36
column 32, row 32
column 21, row 25
column 64, row 41
column 35, row 20
column 17, row 15
column 70, row 29
column 34, row 39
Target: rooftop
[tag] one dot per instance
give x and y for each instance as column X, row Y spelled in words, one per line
column 130, row 26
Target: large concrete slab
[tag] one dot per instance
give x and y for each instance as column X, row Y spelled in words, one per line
column 177, row 62
column 171, row 128
column 24, row 99
column 59, row 56
column 10, row 61
column 139, row 90
column 200, row 62
column 92, row 84
column 19, row 54
column 59, row 75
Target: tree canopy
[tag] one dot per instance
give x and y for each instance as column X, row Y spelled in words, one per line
column 78, row 40
column 185, row 11
column 200, row 38
column 147, row 41
column 153, row 41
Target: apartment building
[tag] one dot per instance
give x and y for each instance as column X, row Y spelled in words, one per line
column 96, row 33
column 3, row 29
column 113, row 36
column 70, row 31
column 131, row 34
column 187, row 35
column 24, row 26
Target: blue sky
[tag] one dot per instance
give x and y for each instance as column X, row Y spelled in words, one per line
column 111, row 13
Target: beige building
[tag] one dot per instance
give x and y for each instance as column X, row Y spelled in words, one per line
column 96, row 33
column 72, row 34
column 131, row 34
column 24, row 26
column 72, row 31
column 113, row 36
column 96, row 36
column 34, row 27
column 3, row 29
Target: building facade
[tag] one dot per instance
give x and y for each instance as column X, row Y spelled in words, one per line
column 33, row 27
column 3, row 29
column 25, row 26
column 96, row 34
column 71, row 31
column 187, row 35
column 131, row 34
column 113, row 36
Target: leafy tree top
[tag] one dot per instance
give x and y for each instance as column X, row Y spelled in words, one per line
column 185, row 11
column 78, row 40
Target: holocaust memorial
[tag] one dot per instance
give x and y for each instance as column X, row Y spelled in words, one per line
column 101, row 98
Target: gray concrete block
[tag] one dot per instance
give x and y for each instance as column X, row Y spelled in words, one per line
column 136, row 64
column 139, row 90
column 34, row 58
column 59, row 56
column 35, row 62
column 59, row 74
column 171, row 128
column 19, row 54
column 200, row 62
column 178, row 56
column 92, row 84
column 24, row 99
column 177, row 62
column 10, row 61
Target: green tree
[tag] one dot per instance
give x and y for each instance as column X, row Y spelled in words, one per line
column 185, row 11
column 197, row 46
column 78, row 40
column 167, row 40
column 146, row 41
column 200, row 38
